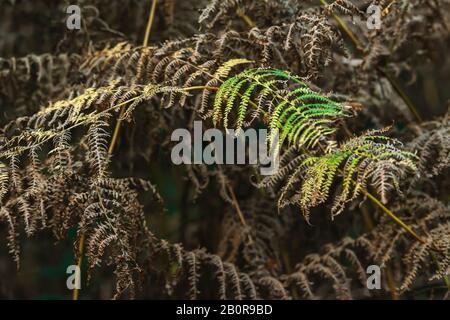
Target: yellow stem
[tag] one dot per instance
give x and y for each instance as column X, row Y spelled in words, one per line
column 391, row 283
column 116, row 131
column 401, row 93
column 201, row 88
column 151, row 17
column 394, row 217
column 245, row 17
column 344, row 27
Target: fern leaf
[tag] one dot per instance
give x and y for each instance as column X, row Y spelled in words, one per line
column 372, row 157
column 302, row 115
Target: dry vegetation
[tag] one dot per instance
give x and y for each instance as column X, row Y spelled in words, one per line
column 86, row 118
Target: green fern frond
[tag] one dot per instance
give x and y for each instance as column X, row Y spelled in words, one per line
column 302, row 115
column 371, row 156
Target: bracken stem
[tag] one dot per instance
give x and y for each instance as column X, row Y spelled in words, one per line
column 394, row 217
column 151, row 17
column 245, row 17
column 344, row 27
column 116, row 131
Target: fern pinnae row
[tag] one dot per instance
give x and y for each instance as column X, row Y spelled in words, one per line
column 294, row 117
column 231, row 97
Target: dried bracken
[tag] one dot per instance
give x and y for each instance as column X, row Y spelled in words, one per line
column 85, row 138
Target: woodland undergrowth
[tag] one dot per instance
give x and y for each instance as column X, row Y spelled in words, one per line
column 86, row 119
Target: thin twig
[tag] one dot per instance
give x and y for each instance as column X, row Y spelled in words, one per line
column 245, row 17
column 151, row 17
column 394, row 217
